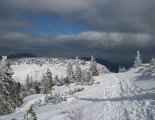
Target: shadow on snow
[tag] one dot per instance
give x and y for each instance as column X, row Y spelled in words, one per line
column 125, row 98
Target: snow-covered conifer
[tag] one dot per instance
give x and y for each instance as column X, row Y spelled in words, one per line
column 30, row 115
column 70, row 72
column 93, row 67
column 152, row 61
column 138, row 60
column 47, row 82
column 29, row 87
column 57, row 81
column 27, row 82
column 121, row 69
column 87, row 78
column 10, row 90
column 44, row 89
column 78, row 71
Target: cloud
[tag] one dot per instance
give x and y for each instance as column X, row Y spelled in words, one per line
column 116, row 27
column 102, row 44
column 130, row 16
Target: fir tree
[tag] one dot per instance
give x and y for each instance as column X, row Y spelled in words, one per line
column 29, row 87
column 78, row 71
column 93, row 67
column 27, row 82
column 87, row 78
column 10, row 90
column 57, row 81
column 36, row 87
column 70, row 72
column 121, row 69
column 138, row 60
column 30, row 115
column 44, row 85
column 47, row 82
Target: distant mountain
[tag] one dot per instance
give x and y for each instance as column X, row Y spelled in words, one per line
column 21, row 55
column 113, row 67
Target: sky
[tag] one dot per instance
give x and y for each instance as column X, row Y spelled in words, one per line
column 109, row 29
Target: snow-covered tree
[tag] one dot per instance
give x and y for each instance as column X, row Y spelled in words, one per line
column 9, row 90
column 44, row 88
column 152, row 62
column 47, row 82
column 93, row 67
column 28, row 84
column 49, row 79
column 36, row 87
column 70, row 72
column 121, row 69
column 29, row 87
column 30, row 115
column 138, row 60
column 55, row 98
column 57, row 81
column 87, row 78
column 78, row 71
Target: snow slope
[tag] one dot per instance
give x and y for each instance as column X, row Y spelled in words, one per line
column 145, row 82
column 113, row 97
column 36, row 67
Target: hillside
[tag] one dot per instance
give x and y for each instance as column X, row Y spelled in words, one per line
column 35, row 67
column 114, row 96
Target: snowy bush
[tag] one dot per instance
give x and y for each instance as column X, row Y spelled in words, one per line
column 55, row 98
column 76, row 114
column 148, row 70
column 72, row 91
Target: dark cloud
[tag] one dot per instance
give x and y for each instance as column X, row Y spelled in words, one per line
column 111, row 45
column 124, row 26
column 108, row 15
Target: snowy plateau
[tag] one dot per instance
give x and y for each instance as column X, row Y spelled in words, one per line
column 128, row 95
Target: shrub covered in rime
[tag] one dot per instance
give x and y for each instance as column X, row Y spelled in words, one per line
column 55, row 98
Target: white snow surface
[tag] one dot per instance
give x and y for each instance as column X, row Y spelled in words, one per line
column 113, row 97
column 36, row 67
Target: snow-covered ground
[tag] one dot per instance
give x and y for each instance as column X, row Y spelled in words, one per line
column 145, row 83
column 27, row 66
column 113, row 97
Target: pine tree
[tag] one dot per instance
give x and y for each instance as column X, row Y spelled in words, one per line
column 87, row 78
column 47, row 82
column 27, row 82
column 56, row 80
column 138, row 60
column 121, row 69
column 10, row 94
column 44, row 85
column 93, row 67
column 36, row 87
column 29, row 87
column 78, row 71
column 30, row 115
column 152, row 62
column 70, row 72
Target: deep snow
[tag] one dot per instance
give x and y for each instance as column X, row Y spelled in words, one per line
column 114, row 96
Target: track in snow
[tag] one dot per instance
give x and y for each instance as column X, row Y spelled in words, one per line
column 119, row 99
column 115, row 98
